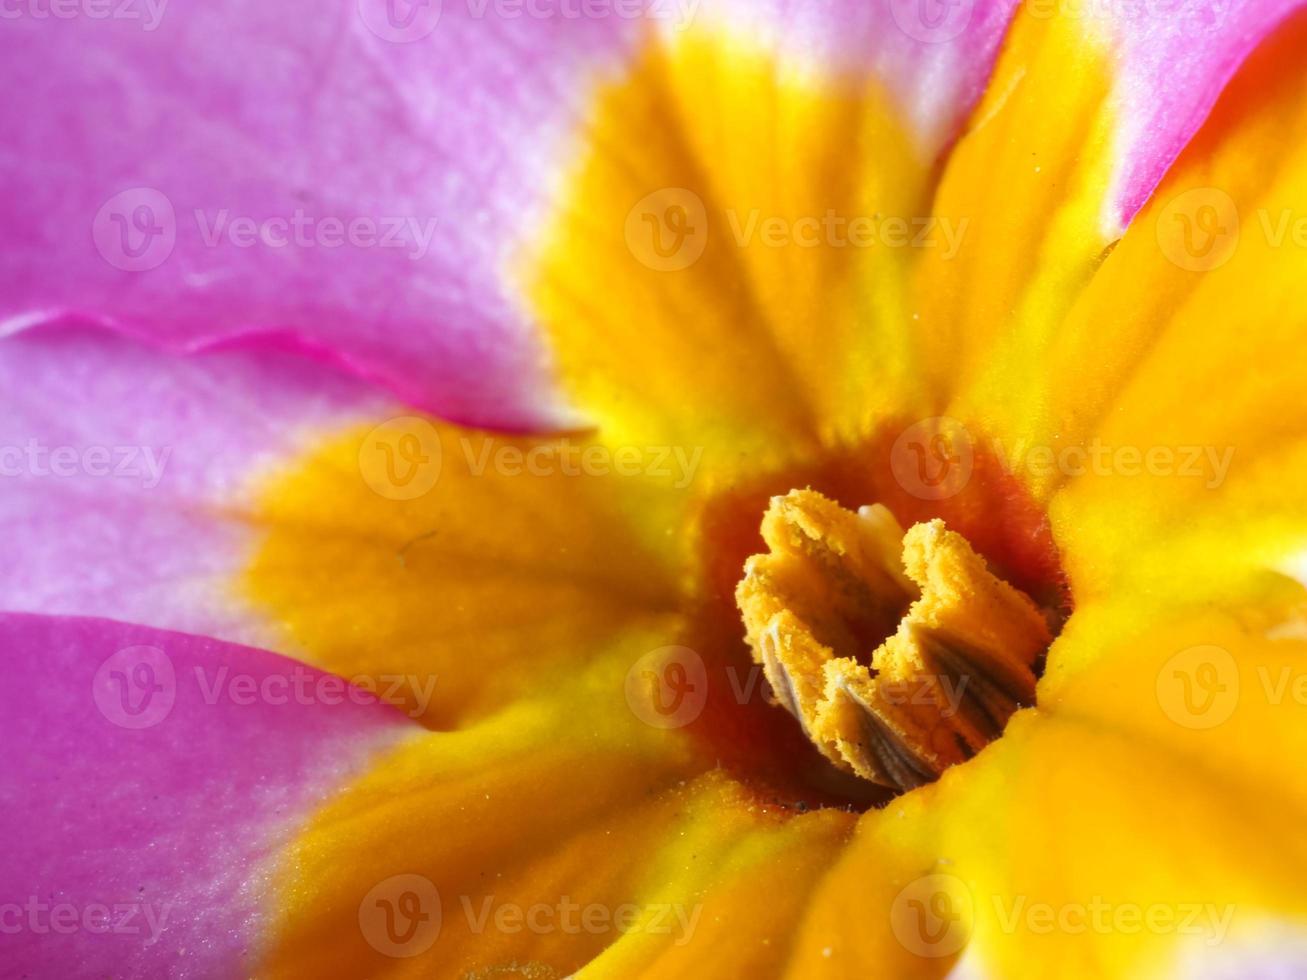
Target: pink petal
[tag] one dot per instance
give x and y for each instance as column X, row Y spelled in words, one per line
column 1175, row 58
column 154, row 164
column 932, row 56
column 142, row 821
column 178, row 140
column 125, row 472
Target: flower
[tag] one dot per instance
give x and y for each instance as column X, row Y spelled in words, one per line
column 459, row 357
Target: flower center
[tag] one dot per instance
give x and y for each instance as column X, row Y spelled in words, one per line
column 900, row 654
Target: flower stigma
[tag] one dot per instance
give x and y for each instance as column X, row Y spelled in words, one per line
column 899, row 654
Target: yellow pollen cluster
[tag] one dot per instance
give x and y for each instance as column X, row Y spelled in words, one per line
column 899, row 654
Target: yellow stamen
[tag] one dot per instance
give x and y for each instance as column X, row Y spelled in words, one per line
column 899, row 654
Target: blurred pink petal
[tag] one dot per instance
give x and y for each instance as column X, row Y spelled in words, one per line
column 245, row 167
column 127, row 473
column 146, row 792
column 1175, row 59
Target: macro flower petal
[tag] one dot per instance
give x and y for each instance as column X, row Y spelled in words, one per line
column 627, row 858
column 268, row 499
column 128, row 474
column 307, row 175
column 1043, row 855
column 1088, row 106
column 152, row 781
column 707, row 331
column 1201, row 373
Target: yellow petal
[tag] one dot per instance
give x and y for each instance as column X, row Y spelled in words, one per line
column 477, row 563
column 696, row 297
column 1029, row 177
column 1195, row 357
column 557, row 831
column 1127, row 824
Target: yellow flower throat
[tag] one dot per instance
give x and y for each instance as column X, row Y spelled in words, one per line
column 900, row 654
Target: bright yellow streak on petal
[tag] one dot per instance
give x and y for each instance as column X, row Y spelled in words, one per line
column 699, row 283
column 511, row 812
column 1141, row 791
column 744, row 882
column 565, row 805
column 1065, row 809
column 1188, row 354
column 1031, row 176
column 522, row 557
